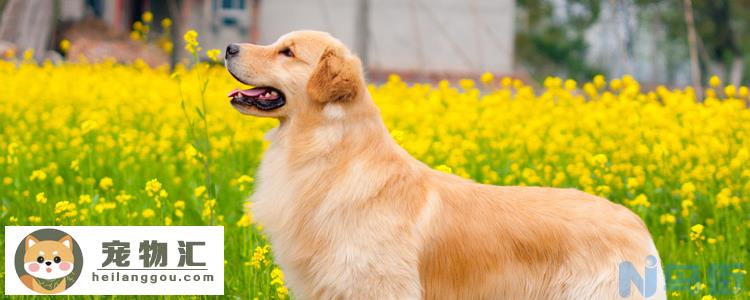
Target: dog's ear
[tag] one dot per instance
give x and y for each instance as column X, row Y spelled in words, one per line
column 337, row 77
column 67, row 241
column 30, row 241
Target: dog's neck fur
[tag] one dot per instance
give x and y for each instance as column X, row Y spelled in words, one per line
column 354, row 127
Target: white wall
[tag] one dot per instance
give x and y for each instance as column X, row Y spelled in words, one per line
column 408, row 35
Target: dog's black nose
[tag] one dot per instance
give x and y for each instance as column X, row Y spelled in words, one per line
column 48, row 263
column 232, row 50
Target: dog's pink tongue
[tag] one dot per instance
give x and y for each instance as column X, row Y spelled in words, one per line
column 254, row 92
column 49, row 270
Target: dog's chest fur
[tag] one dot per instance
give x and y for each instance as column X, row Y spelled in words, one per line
column 323, row 239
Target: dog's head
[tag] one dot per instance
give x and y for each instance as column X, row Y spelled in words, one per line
column 48, row 259
column 298, row 74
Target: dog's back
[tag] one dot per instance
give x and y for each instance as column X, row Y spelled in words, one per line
column 493, row 242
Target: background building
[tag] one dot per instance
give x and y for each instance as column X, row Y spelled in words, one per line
column 423, row 39
column 418, row 38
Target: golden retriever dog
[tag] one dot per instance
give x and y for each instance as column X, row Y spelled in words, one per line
column 351, row 215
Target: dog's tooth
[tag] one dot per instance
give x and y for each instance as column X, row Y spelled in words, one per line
column 274, row 93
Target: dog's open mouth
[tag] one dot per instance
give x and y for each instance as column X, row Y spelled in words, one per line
column 264, row 98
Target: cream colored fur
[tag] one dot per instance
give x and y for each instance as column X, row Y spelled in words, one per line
column 351, row 215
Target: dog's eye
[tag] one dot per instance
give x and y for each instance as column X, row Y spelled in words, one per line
column 57, row 259
column 40, row 259
column 287, row 52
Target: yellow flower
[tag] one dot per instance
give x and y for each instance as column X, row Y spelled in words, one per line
column 710, row 93
column 208, row 207
column 686, row 205
column 487, row 78
column 28, row 54
column 148, row 213
column 74, row 165
column 259, row 256
column 687, row 190
column 444, row 169
column 167, row 221
column 667, row 219
column 743, row 92
column 59, row 180
column 714, row 81
column 64, row 45
column 730, row 91
column 245, row 221
column 191, row 42
column 199, row 191
column 65, row 209
column 7, row 181
column 599, row 81
column 166, row 23
column 277, row 279
column 123, row 197
column 398, row 136
column 191, row 153
column 245, row 179
column 599, row 160
column 506, row 82
column 570, row 84
column 147, row 17
column 167, row 46
column 282, row 292
column 41, row 198
column 213, row 54
column 640, row 200
column 38, row 175
column 153, row 187
column 615, row 84
column 34, row 219
column 696, row 232
column 88, row 125
column 708, row 297
column 179, row 204
column 466, row 83
column 106, row 183
column 84, row 199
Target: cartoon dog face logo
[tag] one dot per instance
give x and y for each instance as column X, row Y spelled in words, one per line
column 49, row 265
column 49, row 259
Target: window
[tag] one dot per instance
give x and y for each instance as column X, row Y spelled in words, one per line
column 232, row 4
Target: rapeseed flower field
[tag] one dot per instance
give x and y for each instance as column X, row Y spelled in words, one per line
column 110, row 144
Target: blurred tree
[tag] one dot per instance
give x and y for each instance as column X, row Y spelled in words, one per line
column 718, row 25
column 550, row 37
